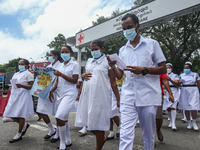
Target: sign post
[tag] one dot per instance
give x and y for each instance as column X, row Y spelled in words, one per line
column 151, row 13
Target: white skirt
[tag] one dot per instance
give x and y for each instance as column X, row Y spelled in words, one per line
column 168, row 104
column 189, row 99
column 64, row 107
column 20, row 105
column 114, row 110
column 45, row 106
column 94, row 108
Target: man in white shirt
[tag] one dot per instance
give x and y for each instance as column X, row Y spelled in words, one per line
column 141, row 92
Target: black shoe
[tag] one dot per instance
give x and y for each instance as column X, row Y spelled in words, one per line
column 24, row 132
column 66, row 146
column 49, row 136
column 161, row 138
column 53, row 140
column 15, row 140
column 110, row 138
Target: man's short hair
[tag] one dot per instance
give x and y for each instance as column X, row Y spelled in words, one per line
column 132, row 16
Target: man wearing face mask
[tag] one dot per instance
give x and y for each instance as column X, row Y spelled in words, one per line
column 141, row 91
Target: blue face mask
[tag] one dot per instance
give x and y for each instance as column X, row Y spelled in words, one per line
column 130, row 34
column 65, row 57
column 96, row 54
column 21, row 68
column 187, row 71
column 51, row 59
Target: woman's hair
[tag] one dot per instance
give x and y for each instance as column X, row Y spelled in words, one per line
column 69, row 47
column 26, row 62
column 56, row 53
column 98, row 43
column 189, row 65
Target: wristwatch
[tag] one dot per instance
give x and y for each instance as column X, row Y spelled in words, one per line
column 145, row 71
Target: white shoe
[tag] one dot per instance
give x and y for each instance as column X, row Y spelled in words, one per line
column 174, row 127
column 111, row 135
column 184, row 120
column 83, row 131
column 138, row 121
column 189, row 126
column 170, row 125
column 195, row 127
column 168, row 119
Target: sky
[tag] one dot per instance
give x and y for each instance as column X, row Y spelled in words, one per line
column 28, row 26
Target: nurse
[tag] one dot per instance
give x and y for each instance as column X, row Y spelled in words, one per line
column 94, row 106
column 67, row 77
column 168, row 105
column 45, row 107
column 189, row 97
column 21, row 82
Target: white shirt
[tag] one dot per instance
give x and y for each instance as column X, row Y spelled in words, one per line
column 92, row 63
column 141, row 90
column 55, row 65
column 26, row 78
column 65, row 87
column 173, row 77
column 189, row 79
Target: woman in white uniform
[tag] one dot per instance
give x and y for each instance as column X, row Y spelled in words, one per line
column 45, row 107
column 169, row 105
column 67, row 77
column 189, row 96
column 95, row 102
column 20, row 104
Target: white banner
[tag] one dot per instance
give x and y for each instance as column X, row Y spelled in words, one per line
column 149, row 14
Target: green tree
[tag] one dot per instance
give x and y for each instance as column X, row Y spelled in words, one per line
column 10, row 66
column 179, row 39
column 112, row 45
column 58, row 42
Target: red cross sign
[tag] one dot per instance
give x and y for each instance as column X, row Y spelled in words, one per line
column 80, row 38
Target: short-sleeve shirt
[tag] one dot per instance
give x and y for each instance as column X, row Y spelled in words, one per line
column 92, row 63
column 189, row 79
column 27, row 78
column 141, row 90
column 173, row 76
column 65, row 87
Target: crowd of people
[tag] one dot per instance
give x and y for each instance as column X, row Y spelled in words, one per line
column 99, row 101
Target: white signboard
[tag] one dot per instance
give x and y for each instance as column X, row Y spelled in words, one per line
column 149, row 14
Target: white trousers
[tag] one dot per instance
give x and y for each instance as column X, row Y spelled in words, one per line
column 147, row 118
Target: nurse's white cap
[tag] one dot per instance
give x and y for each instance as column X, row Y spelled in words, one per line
column 169, row 64
column 188, row 62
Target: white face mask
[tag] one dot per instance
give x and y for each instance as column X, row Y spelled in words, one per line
column 169, row 70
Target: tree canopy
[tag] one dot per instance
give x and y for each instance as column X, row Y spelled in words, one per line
column 179, row 38
column 58, row 42
column 10, row 66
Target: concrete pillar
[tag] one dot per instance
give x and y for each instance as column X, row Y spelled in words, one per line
column 79, row 59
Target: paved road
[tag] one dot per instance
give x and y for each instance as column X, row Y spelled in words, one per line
column 182, row 139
